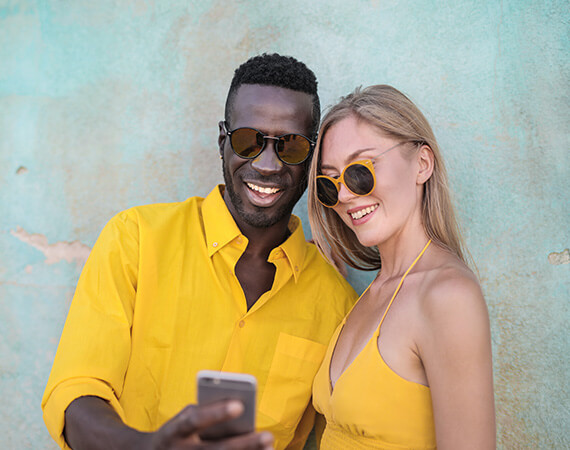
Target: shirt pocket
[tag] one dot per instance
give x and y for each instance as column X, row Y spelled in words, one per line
column 290, row 380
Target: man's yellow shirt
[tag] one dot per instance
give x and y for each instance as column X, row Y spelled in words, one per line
column 158, row 300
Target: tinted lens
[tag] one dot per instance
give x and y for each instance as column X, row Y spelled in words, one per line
column 326, row 191
column 359, row 179
column 246, row 142
column 293, row 148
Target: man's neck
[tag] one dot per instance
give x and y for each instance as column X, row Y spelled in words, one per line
column 263, row 240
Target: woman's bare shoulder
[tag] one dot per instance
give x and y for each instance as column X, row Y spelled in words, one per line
column 451, row 290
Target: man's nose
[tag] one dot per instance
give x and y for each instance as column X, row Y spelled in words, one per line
column 267, row 162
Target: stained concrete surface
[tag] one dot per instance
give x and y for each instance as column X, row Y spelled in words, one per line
column 106, row 105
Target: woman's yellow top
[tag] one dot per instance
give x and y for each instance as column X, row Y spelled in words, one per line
column 371, row 406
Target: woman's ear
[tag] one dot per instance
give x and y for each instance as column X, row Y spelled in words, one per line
column 426, row 162
column 221, row 137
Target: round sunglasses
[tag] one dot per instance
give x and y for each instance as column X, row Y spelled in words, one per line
column 290, row 148
column 358, row 177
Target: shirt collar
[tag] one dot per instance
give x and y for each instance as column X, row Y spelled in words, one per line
column 295, row 247
column 221, row 229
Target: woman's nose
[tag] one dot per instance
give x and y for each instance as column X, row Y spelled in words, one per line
column 344, row 194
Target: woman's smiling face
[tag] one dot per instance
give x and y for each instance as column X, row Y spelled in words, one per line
column 395, row 202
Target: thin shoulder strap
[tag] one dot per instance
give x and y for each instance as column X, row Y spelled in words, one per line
column 400, row 285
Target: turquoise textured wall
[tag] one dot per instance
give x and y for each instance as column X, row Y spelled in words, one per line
column 107, row 104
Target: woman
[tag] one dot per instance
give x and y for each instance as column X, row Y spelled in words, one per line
column 410, row 366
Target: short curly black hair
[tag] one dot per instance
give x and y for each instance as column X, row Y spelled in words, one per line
column 276, row 70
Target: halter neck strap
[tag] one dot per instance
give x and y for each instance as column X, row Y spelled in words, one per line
column 400, row 285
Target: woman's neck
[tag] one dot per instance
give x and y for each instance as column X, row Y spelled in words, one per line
column 398, row 252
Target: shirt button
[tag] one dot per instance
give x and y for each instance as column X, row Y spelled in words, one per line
column 238, row 241
column 241, row 323
column 215, row 244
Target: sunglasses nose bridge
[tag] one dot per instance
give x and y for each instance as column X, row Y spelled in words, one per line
column 268, row 161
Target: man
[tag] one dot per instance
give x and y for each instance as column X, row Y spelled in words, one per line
column 222, row 283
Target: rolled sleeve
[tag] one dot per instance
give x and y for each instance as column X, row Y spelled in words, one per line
column 56, row 402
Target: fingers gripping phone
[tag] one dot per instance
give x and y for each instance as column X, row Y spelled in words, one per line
column 214, row 386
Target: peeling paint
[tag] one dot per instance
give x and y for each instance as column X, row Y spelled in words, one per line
column 68, row 251
column 21, row 170
column 557, row 259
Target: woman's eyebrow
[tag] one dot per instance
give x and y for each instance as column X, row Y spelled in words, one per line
column 350, row 157
column 358, row 152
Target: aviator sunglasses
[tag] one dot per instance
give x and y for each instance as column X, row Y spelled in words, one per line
column 358, row 177
column 290, row 148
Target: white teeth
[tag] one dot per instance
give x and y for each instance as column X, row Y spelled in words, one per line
column 263, row 190
column 363, row 212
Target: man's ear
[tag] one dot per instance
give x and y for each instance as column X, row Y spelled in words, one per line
column 426, row 161
column 221, row 137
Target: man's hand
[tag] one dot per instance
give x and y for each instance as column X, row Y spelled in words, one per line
column 181, row 432
column 91, row 423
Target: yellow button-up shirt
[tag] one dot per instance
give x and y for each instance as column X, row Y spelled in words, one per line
column 158, row 300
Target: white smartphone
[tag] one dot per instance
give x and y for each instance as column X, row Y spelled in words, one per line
column 214, row 386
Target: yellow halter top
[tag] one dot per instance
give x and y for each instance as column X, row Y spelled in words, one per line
column 371, row 406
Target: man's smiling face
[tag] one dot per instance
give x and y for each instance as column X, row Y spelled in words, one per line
column 262, row 192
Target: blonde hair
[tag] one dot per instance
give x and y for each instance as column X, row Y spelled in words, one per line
column 391, row 113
